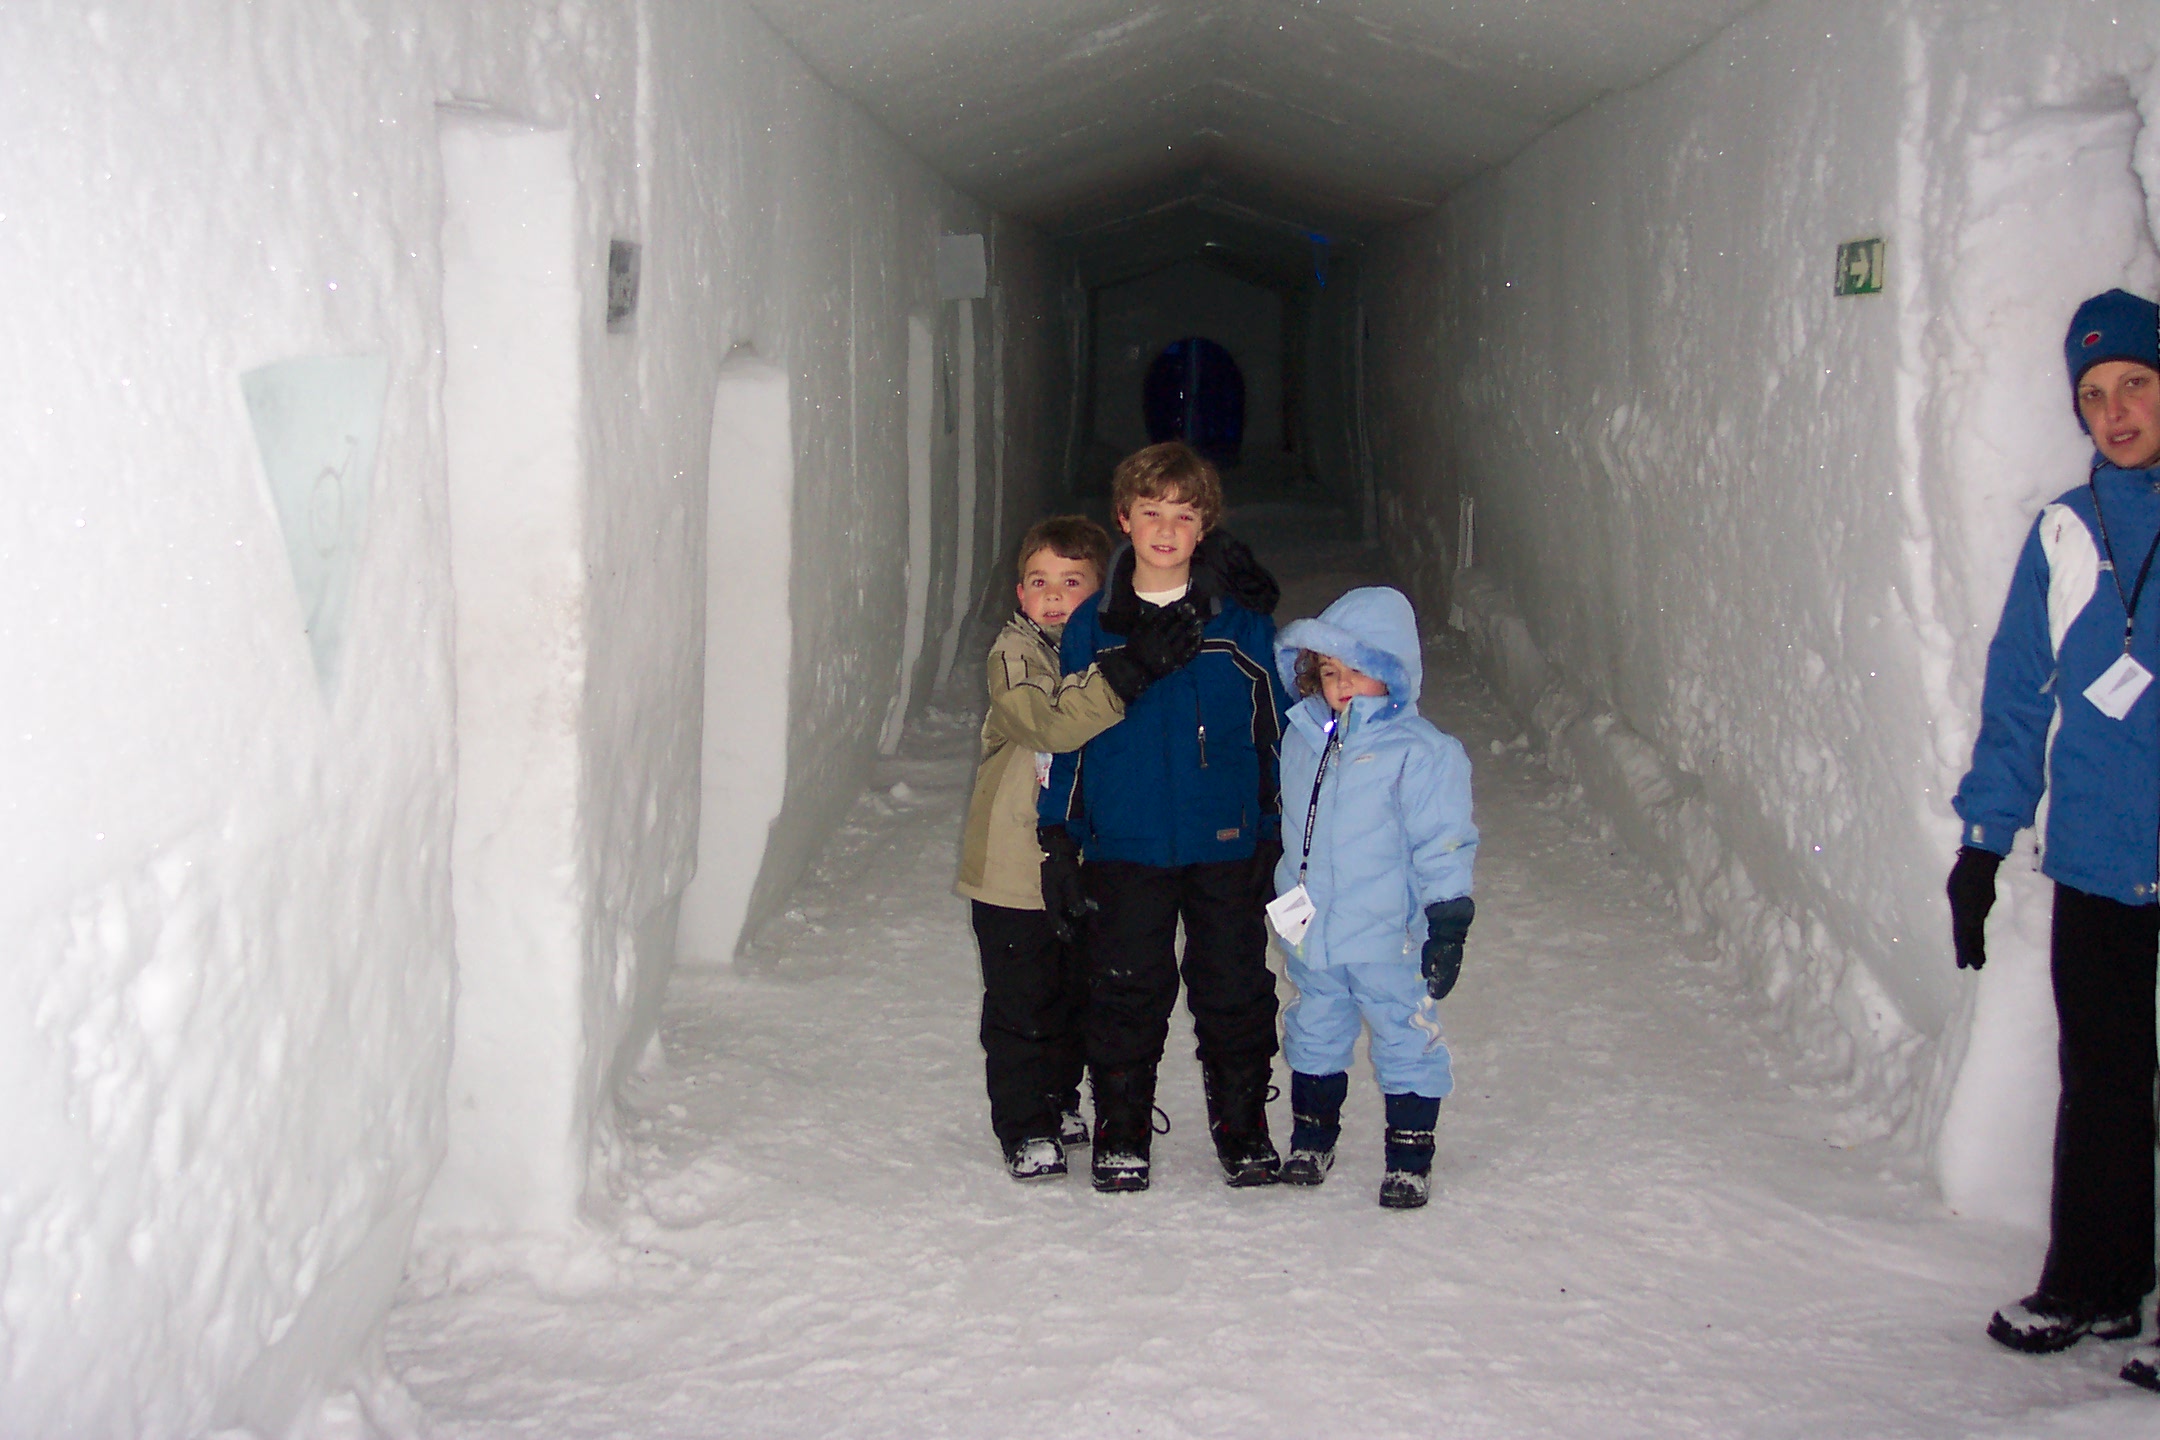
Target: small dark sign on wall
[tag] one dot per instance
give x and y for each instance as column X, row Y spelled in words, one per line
column 622, row 283
column 1860, row 267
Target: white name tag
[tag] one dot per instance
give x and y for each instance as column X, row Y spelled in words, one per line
column 1291, row 915
column 2116, row 691
column 1042, row 774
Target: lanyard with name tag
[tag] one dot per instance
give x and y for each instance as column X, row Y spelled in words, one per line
column 2119, row 687
column 1292, row 912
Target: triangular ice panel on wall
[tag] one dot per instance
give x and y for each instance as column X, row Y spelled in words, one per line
column 316, row 421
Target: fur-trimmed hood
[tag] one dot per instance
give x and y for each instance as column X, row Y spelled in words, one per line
column 1372, row 629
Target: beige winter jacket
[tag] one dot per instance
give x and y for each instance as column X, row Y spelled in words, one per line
column 1033, row 707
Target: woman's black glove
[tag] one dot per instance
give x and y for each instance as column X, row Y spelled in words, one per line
column 1065, row 899
column 1162, row 640
column 1972, row 895
column 1447, row 925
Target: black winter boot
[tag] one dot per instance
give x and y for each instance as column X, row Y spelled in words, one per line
column 1039, row 1158
column 2143, row 1366
column 1237, row 1093
column 1410, row 1122
column 2038, row 1325
column 1124, row 1128
column 1073, row 1128
column 1316, row 1124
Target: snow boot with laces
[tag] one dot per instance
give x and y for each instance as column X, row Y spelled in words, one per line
column 1124, row 1129
column 2042, row 1325
column 1315, row 1125
column 1407, row 1184
column 1237, row 1096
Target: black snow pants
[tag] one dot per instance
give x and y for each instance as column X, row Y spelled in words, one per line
column 1133, row 963
column 1034, row 991
column 2100, row 1244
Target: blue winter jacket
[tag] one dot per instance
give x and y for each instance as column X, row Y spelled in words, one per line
column 2062, row 627
column 1393, row 833
column 1189, row 776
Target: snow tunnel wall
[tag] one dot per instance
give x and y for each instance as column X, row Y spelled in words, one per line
column 1739, row 543
column 227, row 612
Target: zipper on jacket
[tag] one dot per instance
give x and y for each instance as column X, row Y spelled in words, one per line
column 1200, row 720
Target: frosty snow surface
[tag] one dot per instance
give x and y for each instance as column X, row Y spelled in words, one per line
column 1650, row 1215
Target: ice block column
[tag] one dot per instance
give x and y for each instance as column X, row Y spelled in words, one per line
column 518, row 1129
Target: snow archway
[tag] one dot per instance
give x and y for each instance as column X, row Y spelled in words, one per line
column 748, row 650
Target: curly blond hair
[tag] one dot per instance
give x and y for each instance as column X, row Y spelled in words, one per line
column 1308, row 671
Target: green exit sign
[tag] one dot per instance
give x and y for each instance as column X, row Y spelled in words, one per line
column 1860, row 267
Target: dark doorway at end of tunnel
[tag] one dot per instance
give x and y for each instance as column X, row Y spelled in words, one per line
column 1251, row 356
column 1195, row 392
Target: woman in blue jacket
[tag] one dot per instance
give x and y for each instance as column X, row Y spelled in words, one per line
column 2074, row 654
column 1374, row 883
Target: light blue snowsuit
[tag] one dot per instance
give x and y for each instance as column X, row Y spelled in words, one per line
column 1391, row 836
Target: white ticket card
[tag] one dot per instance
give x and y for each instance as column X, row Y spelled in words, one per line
column 2118, row 689
column 1291, row 915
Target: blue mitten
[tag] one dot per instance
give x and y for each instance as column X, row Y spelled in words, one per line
column 1447, row 925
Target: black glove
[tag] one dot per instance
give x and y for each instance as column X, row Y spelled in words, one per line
column 1237, row 573
column 1161, row 641
column 1265, row 857
column 1064, row 897
column 1972, row 895
column 1447, row 925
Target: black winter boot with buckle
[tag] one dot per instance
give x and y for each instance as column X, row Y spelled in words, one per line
column 1237, row 1095
column 1315, row 1125
column 1124, row 1129
column 1410, row 1122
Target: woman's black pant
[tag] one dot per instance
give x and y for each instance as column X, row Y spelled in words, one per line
column 1034, row 992
column 2100, row 1244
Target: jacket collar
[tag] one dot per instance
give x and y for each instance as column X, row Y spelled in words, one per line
column 2104, row 469
column 1121, row 605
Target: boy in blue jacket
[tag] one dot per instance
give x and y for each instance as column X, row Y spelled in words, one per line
column 1177, row 814
column 1374, row 884
column 2066, row 708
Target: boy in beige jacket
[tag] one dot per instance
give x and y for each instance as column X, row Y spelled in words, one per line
column 1034, row 978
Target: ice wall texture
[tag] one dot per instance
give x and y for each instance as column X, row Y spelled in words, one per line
column 225, row 1032
column 226, row 900
column 825, row 233
column 1740, row 543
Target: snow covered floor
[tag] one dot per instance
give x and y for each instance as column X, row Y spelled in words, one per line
column 1642, row 1224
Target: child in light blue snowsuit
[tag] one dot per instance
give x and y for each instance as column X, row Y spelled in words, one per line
column 1378, row 848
